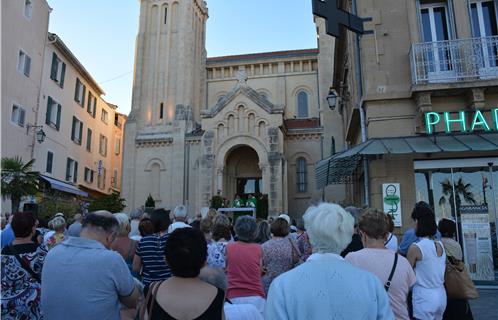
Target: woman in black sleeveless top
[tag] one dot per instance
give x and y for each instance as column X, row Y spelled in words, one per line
column 184, row 296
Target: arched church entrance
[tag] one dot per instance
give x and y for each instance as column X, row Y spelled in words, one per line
column 242, row 176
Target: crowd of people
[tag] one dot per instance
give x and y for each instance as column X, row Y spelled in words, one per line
column 334, row 264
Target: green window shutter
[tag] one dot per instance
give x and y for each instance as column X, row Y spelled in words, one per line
column 76, row 90
column 49, row 110
column 75, row 177
column 73, row 128
column 63, row 73
column 89, row 139
column 68, row 169
column 58, row 122
column 83, row 97
column 89, row 104
column 53, row 70
column 27, row 66
column 95, row 108
column 81, row 132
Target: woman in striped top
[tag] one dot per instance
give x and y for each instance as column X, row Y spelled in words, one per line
column 149, row 257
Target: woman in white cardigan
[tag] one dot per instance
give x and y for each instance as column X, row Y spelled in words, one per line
column 326, row 286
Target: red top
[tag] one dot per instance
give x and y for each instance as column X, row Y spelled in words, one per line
column 244, row 270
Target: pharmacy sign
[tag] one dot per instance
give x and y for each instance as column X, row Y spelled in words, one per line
column 462, row 121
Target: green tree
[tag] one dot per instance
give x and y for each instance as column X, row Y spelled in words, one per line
column 18, row 180
column 111, row 202
column 462, row 191
column 217, row 202
column 150, row 203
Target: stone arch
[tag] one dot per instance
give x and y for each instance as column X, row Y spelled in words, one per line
column 251, row 122
column 152, row 161
column 174, row 16
column 241, row 140
column 301, row 154
column 220, row 95
column 265, row 92
column 261, row 127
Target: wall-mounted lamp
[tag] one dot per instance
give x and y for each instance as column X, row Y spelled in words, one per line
column 332, row 98
column 40, row 134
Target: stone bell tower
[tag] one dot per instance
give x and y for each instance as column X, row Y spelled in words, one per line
column 168, row 93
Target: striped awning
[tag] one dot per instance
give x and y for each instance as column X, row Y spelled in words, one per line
column 341, row 167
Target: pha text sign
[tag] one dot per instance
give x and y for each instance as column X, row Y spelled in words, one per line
column 463, row 121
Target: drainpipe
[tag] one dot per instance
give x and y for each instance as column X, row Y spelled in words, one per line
column 359, row 77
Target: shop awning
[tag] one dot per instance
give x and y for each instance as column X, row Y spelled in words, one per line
column 65, row 187
column 340, row 167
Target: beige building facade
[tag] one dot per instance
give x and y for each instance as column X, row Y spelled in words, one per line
column 429, row 90
column 233, row 125
column 46, row 89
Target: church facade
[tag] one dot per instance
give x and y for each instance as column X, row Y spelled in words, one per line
column 244, row 125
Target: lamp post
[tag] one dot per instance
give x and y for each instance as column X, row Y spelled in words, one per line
column 332, row 98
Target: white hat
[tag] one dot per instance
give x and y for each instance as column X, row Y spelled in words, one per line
column 286, row 218
column 180, row 211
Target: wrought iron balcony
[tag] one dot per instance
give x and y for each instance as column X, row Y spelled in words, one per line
column 454, row 60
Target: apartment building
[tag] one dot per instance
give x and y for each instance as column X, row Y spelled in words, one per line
column 23, row 50
column 82, row 146
column 47, row 91
column 419, row 101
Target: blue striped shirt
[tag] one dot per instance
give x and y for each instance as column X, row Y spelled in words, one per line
column 151, row 250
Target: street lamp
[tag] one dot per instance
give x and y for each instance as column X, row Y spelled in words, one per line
column 332, row 98
column 40, row 134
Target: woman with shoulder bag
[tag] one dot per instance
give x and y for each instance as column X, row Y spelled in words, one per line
column 455, row 308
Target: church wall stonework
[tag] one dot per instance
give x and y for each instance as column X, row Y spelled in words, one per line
column 185, row 125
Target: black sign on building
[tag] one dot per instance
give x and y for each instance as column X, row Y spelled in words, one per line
column 335, row 17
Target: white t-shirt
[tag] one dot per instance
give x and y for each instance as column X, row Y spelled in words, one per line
column 177, row 225
column 380, row 263
column 241, row 312
column 392, row 242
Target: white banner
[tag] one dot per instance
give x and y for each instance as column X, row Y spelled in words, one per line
column 391, row 198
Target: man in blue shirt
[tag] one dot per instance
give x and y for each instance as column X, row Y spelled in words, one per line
column 83, row 279
column 7, row 236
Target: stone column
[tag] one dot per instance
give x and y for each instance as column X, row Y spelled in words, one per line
column 476, row 99
column 275, row 175
column 206, row 168
column 424, row 104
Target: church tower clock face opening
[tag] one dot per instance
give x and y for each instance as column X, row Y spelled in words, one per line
column 235, row 125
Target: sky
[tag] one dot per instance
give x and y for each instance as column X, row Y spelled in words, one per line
column 101, row 34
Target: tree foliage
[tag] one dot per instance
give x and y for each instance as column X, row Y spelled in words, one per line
column 111, row 202
column 18, row 180
column 150, row 203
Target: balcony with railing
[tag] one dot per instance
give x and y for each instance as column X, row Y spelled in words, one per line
column 454, row 61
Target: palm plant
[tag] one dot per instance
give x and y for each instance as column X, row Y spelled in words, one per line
column 18, row 180
column 462, row 190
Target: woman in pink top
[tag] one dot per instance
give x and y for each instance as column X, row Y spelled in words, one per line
column 373, row 226
column 244, row 260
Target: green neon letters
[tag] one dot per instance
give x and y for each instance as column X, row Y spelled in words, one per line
column 463, row 121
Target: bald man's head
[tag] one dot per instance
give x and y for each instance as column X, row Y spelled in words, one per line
column 214, row 276
column 103, row 220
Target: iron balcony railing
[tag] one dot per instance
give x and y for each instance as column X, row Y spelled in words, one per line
column 454, row 60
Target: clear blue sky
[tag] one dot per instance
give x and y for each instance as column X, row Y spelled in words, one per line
column 101, row 33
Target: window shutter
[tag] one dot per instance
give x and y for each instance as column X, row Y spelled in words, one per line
column 81, row 133
column 76, row 90
column 49, row 110
column 58, row 121
column 75, row 177
column 68, row 169
column 53, row 70
column 22, row 115
column 91, row 176
column 73, row 128
column 27, row 65
column 63, row 73
column 89, row 139
column 94, row 106
column 83, row 97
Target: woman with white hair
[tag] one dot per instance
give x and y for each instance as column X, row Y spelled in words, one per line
column 326, row 286
column 59, row 225
column 135, row 217
column 122, row 243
